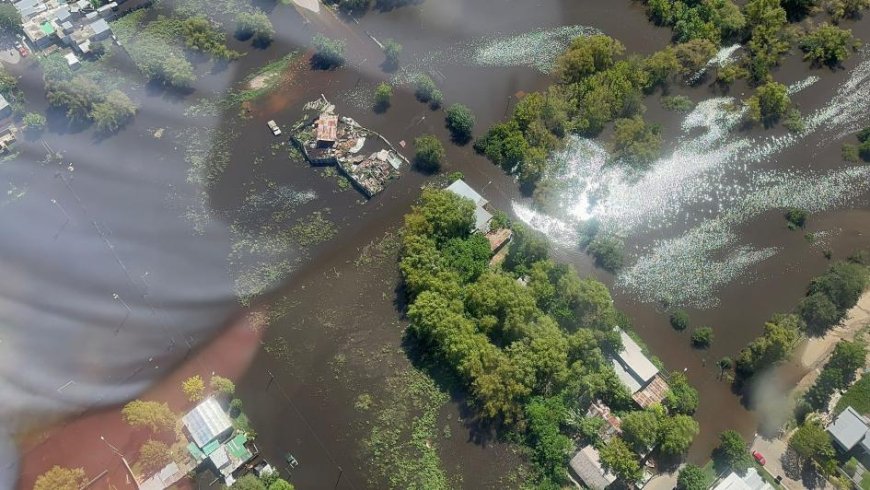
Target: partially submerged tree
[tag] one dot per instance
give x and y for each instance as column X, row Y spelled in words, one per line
column 392, row 50
column 60, row 478
column 193, row 388
column 329, row 53
column 151, row 414
column 153, row 456
column 769, row 103
column 460, row 122
column 428, row 153
column 827, row 45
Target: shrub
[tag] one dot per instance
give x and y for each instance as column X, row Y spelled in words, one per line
column 827, row 45
column 460, row 122
column 423, row 88
column 608, row 252
column 769, row 104
column 34, row 121
column 677, row 103
column 797, row 218
column 235, row 407
column 679, row 319
column 428, row 153
column 702, row 337
column 383, row 94
column 392, row 50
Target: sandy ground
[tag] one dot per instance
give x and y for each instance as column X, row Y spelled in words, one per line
column 812, row 355
column 312, row 5
column 815, row 351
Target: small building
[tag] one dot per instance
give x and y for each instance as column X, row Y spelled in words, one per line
column 7, row 139
column 612, row 426
column 586, row 464
column 100, row 30
column 638, row 373
column 327, row 130
column 72, row 60
column 751, row 481
column 850, row 429
column 207, row 422
column 5, row 107
column 482, row 217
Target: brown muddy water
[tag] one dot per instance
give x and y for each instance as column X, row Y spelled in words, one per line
column 340, row 335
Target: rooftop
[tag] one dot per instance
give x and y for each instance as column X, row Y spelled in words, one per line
column 848, row 428
column 207, row 421
column 654, row 392
column 327, row 128
column 587, row 464
column 631, row 365
column 461, row 188
column 752, row 481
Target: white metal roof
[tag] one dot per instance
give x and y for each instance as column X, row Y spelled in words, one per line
column 628, row 379
column 848, row 428
column 207, row 421
column 219, row 457
column 461, row 188
column 752, row 481
column 635, row 360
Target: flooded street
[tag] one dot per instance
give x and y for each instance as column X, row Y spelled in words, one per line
column 337, row 329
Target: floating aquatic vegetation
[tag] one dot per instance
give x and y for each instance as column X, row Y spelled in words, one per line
column 700, row 193
column 536, row 49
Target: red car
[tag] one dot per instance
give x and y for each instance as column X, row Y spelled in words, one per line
column 758, row 457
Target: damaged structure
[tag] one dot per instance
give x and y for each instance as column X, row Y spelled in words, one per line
column 335, row 140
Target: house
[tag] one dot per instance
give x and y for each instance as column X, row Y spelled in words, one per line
column 207, row 422
column 100, row 30
column 482, row 217
column 586, row 464
column 638, row 373
column 850, row 429
column 612, row 424
column 327, row 130
column 72, row 60
column 751, row 481
column 5, row 107
column 7, row 138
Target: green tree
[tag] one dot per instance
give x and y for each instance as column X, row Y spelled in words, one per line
column 640, row 429
column 677, row 434
column 221, row 385
column 281, row 484
column 328, row 53
column 193, row 388
column 235, row 407
column 843, row 284
column 819, row 313
column 827, row 45
column 636, row 142
column 692, row 477
column 60, row 478
column 442, row 215
column 812, row 442
column 34, row 121
column 681, row 396
column 846, row 9
column 608, row 252
column 702, row 337
column 248, row 482
column 797, row 218
column 661, row 66
column 10, row 18
column 424, row 87
column 392, row 50
column 153, row 456
column 255, row 25
column 460, row 122
column 527, row 246
column 770, row 102
column 354, row 6
column 588, row 55
column 383, row 94
column 679, row 319
column 732, row 452
column 200, row 35
column 113, row 112
column 153, row 415
column 694, row 55
column 468, row 257
column 428, row 153
column 76, row 96
column 779, row 338
column 618, row 458
column 551, row 447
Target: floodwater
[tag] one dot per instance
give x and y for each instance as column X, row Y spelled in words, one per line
column 342, row 332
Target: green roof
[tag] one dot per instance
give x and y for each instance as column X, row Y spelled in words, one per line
column 46, row 28
column 211, row 446
column 237, row 448
column 195, row 452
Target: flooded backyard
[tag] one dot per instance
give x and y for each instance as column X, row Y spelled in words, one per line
column 704, row 227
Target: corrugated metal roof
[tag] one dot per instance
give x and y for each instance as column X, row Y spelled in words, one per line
column 635, row 360
column 461, row 188
column 207, row 421
column 848, row 428
column 752, row 481
column 327, row 127
column 220, row 458
column 587, row 464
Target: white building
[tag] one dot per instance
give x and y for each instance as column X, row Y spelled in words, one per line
column 587, row 465
column 207, row 422
column 752, row 481
column 482, row 217
column 638, row 373
column 850, row 429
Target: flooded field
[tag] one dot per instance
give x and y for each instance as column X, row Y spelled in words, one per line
column 704, row 226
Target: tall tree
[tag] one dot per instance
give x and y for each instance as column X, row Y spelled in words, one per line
column 732, row 452
column 618, row 458
column 151, row 414
column 60, row 478
column 692, row 477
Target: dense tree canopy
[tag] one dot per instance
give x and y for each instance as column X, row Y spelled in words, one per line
column 255, row 25
column 200, row 35
column 460, row 122
column 10, row 18
column 429, row 152
column 732, row 452
column 692, row 477
column 248, row 482
column 617, row 457
column 113, row 112
column 677, row 434
column 837, row 374
column 153, row 456
column 636, row 142
column 827, row 45
column 328, row 53
column 812, row 442
column 769, row 103
column 681, row 396
column 586, row 56
column 392, row 50
column 781, row 334
column 60, row 478
column 153, row 415
column 640, row 429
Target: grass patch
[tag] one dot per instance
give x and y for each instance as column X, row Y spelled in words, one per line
column 865, row 481
column 677, row 103
column 402, row 445
column 857, row 397
column 265, row 80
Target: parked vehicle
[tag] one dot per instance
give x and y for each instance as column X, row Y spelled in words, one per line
column 274, row 127
column 758, row 457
